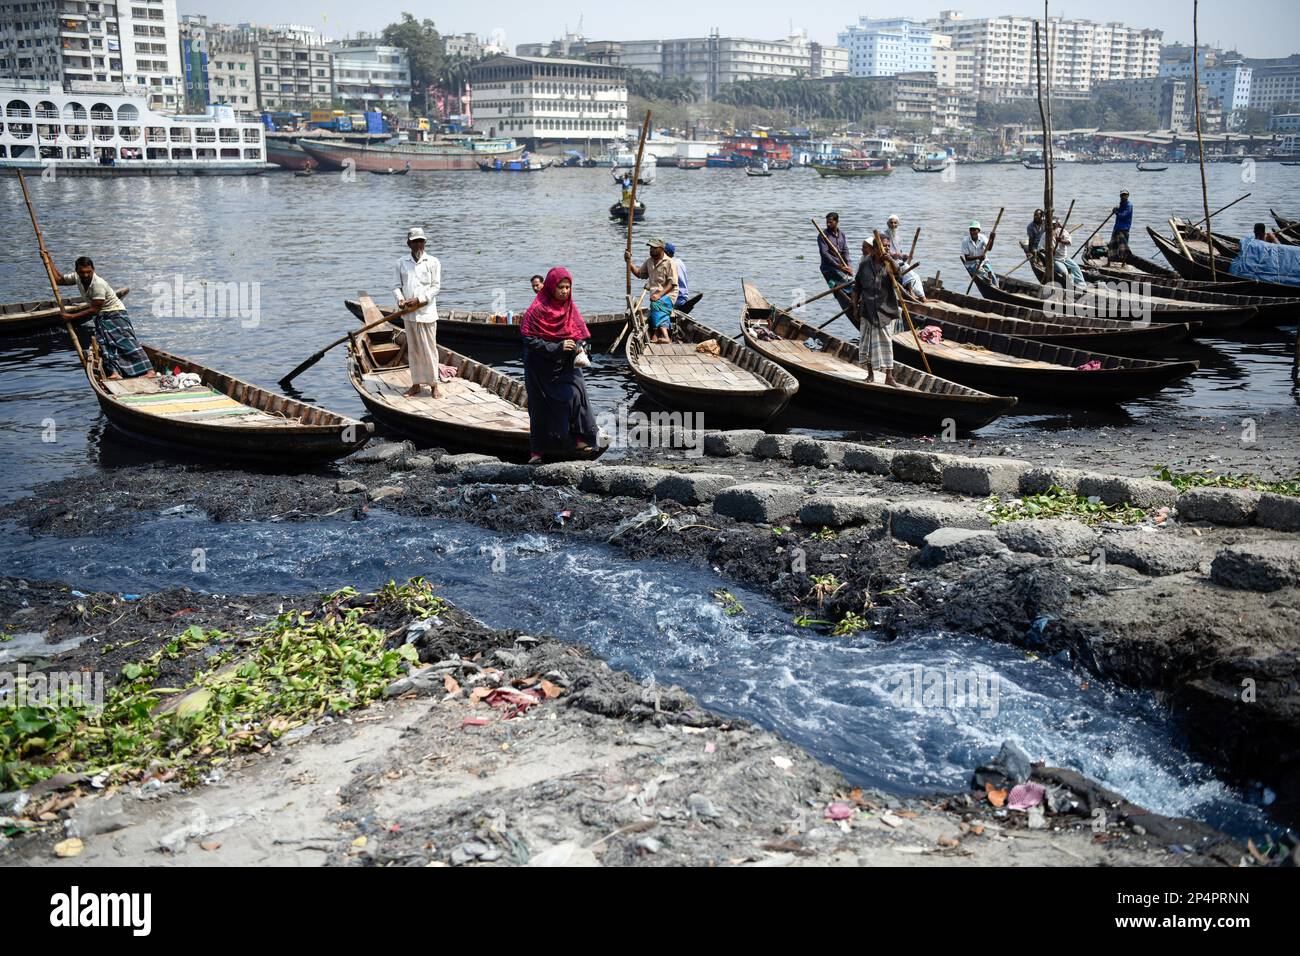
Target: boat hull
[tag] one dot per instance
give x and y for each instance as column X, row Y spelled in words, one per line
column 26, row 318
column 457, row 325
column 380, row 158
column 288, row 155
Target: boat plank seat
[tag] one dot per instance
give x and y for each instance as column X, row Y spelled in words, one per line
column 823, row 362
column 964, row 352
column 462, row 400
column 680, row 362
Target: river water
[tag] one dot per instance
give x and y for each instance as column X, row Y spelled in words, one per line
column 855, row 702
column 303, row 244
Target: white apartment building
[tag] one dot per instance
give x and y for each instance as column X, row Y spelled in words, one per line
column 549, row 98
column 887, row 47
column 293, row 74
column 953, row 69
column 1082, row 53
column 134, row 44
column 1275, row 85
column 368, row 74
column 714, row 61
column 232, row 79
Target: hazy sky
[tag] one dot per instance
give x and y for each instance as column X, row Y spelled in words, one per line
column 1272, row 29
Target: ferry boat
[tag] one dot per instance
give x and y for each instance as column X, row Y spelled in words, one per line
column 444, row 153
column 87, row 130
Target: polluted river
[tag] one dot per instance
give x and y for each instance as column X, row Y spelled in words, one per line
column 864, row 705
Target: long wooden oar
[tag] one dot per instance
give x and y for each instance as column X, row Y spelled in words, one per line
column 49, row 271
column 902, row 303
column 1094, row 232
column 1201, row 222
column 813, row 298
column 992, row 235
column 632, row 313
column 366, row 303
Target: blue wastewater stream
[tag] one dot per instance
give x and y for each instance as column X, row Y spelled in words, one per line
column 865, row 706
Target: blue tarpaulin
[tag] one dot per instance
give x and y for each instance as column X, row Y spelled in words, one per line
column 1267, row 261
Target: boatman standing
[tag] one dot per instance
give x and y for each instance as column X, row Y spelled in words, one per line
column 661, row 282
column 419, row 277
column 974, row 253
column 1035, row 231
column 875, row 304
column 120, row 350
column 1123, row 224
column 835, row 264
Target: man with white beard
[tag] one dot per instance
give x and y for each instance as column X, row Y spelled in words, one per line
column 910, row 281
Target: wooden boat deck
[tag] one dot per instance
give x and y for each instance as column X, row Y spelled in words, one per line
column 963, row 352
column 824, row 362
column 681, row 364
column 202, row 403
column 462, row 402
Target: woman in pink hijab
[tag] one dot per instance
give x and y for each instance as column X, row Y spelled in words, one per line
column 554, row 335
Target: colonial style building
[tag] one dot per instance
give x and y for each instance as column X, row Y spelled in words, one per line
column 548, row 98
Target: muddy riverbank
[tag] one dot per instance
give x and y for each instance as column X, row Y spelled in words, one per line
column 574, row 764
column 1223, row 659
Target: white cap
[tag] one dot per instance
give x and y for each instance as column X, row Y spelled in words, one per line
column 415, row 232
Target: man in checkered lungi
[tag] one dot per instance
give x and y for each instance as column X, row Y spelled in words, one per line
column 120, row 350
column 876, row 305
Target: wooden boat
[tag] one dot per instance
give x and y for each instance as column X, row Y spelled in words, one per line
column 1094, row 335
column 759, row 173
column 690, row 163
column 1282, row 221
column 442, row 154
column 1101, row 303
column 919, row 402
column 853, row 168
column 458, row 325
column 1028, row 369
column 1145, row 167
column 932, row 163
column 1133, row 264
column 23, row 318
column 513, row 166
column 1270, row 309
column 223, row 415
column 479, row 410
column 1197, row 266
column 391, row 172
column 735, row 386
column 619, row 211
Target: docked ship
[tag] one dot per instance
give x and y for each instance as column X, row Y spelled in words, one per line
column 87, row 131
column 443, row 153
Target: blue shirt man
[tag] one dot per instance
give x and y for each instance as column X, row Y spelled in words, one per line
column 1123, row 214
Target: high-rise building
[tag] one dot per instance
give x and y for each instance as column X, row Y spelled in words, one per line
column 887, row 47
column 549, row 98
column 130, row 44
column 714, row 61
column 368, row 74
column 953, row 69
column 1226, row 82
column 1082, row 53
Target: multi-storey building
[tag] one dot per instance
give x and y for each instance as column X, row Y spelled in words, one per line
column 368, row 74
column 1275, row 84
column 232, row 78
column 549, row 98
column 953, row 69
column 1167, row 98
column 714, row 61
column 1082, row 53
column 294, row 71
column 132, row 44
column 1226, row 83
column 887, row 47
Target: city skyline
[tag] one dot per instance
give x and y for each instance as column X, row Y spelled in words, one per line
column 1274, row 31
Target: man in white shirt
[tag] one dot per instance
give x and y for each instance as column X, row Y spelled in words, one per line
column 1061, row 253
column 974, row 252
column 419, row 277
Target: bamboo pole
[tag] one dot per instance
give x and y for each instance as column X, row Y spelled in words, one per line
column 1094, row 233
column 1200, row 143
column 1201, row 222
column 49, row 271
column 631, row 209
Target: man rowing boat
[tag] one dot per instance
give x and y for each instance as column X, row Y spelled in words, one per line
column 875, row 303
column 835, row 266
column 661, row 282
column 120, row 350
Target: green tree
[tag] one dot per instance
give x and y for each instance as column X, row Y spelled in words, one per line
column 423, row 45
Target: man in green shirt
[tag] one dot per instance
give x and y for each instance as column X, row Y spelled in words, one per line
column 120, row 350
